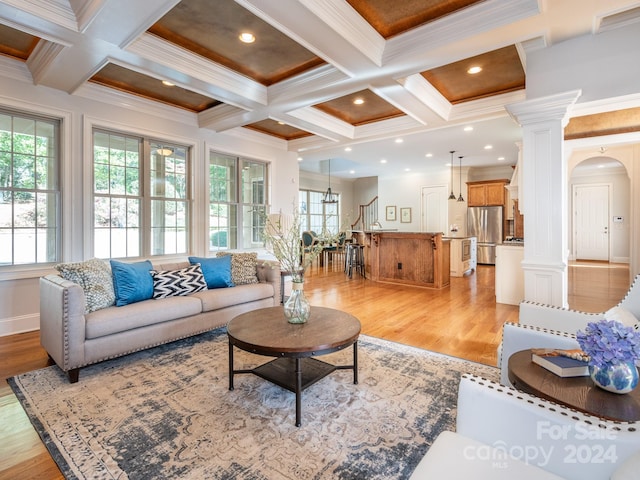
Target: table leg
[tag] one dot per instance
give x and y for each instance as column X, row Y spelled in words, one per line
column 230, row 365
column 355, row 363
column 298, row 391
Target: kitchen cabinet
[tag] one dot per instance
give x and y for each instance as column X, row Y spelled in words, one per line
column 463, row 255
column 518, row 221
column 486, row 193
column 509, row 276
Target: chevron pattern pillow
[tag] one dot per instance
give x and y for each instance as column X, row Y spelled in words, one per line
column 169, row 283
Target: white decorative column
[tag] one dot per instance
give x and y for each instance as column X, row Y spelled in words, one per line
column 544, row 196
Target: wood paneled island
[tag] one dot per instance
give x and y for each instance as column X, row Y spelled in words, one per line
column 411, row 258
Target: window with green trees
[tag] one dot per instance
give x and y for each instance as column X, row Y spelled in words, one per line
column 237, row 202
column 29, row 189
column 141, row 196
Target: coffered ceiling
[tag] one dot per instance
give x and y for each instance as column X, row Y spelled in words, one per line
column 406, row 62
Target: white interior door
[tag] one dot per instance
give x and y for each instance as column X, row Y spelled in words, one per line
column 591, row 217
column 434, row 209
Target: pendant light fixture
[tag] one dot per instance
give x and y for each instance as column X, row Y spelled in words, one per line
column 329, row 197
column 452, row 196
column 460, row 199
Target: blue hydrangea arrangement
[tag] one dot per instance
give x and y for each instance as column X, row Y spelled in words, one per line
column 609, row 342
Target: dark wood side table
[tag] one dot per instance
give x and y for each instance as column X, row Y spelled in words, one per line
column 267, row 332
column 579, row 393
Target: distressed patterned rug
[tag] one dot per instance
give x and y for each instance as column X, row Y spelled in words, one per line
column 168, row 413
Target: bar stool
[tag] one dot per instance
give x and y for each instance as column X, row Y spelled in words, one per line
column 354, row 259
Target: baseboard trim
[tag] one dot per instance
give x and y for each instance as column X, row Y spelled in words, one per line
column 20, row 324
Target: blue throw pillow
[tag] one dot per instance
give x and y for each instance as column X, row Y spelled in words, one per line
column 216, row 270
column 132, row 282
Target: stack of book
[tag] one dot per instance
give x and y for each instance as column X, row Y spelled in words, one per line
column 561, row 362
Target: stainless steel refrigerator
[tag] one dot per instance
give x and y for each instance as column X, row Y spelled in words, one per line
column 485, row 223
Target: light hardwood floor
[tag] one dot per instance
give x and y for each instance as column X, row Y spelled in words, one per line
column 462, row 320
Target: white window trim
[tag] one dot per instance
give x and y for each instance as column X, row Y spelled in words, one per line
column 196, row 211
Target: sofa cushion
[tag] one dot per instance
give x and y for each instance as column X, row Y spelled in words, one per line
column 216, row 270
column 171, row 283
column 220, row 298
column 94, row 276
column 140, row 314
column 132, row 282
column 243, row 267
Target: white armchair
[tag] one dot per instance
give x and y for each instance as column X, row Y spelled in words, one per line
column 502, row 433
column 546, row 326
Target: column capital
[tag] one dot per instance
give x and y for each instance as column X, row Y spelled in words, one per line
column 543, row 109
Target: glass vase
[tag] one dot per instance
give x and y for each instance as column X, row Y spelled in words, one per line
column 297, row 308
column 618, row 378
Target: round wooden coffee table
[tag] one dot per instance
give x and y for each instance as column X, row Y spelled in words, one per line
column 579, row 393
column 266, row 332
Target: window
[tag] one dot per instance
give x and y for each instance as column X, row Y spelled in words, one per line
column 237, row 202
column 318, row 216
column 29, row 189
column 141, row 196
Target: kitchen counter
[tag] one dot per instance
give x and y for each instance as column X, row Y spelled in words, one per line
column 410, row 258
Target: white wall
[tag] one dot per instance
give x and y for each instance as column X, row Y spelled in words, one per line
column 19, row 307
column 320, row 183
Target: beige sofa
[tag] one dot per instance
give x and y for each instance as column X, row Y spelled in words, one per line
column 74, row 339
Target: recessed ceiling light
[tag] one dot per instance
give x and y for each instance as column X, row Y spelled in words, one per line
column 352, row 172
column 488, row 147
column 358, row 101
column 468, row 128
column 247, row 37
column 501, row 159
column 407, row 169
column 429, row 155
column 299, row 159
column 348, row 149
column 399, row 140
column 281, row 123
column 384, row 160
column 475, row 69
column 167, row 83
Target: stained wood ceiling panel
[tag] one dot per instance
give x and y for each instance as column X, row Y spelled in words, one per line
column 607, row 123
column 15, row 43
column 502, row 72
column 211, row 29
column 373, row 109
column 391, row 18
column 115, row 76
column 276, row 129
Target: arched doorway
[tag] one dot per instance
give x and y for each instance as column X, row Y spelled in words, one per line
column 600, row 220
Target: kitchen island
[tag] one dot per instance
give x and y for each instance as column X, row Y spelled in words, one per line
column 410, row 258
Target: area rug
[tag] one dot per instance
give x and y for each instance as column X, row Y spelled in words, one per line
column 167, row 413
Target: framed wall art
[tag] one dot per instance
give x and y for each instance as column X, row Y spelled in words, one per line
column 405, row 215
column 391, row 213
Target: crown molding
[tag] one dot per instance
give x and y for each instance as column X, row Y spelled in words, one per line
column 43, row 56
column 222, row 117
column 466, row 23
column 86, row 11
column 419, row 87
column 314, row 117
column 257, row 137
column 54, row 11
column 15, row 69
column 229, row 86
column 486, row 107
column 345, row 21
column 128, row 101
